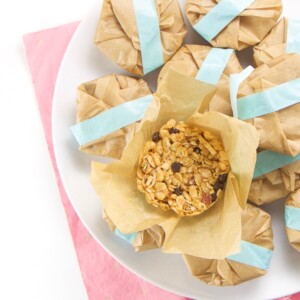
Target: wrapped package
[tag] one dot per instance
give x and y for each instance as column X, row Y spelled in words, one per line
column 276, row 184
column 195, row 60
column 257, row 238
column 140, row 36
column 96, row 104
column 269, row 100
column 181, row 98
column 226, row 25
column 292, row 219
column 283, row 38
column 148, row 239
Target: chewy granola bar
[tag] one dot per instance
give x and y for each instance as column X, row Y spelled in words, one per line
column 183, row 168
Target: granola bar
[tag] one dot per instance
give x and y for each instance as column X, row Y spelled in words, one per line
column 182, row 168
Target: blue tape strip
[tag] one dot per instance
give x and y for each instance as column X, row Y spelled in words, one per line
column 111, row 120
column 213, row 66
column 253, row 255
column 234, row 83
column 293, row 36
column 127, row 237
column 219, row 17
column 268, row 161
column 268, row 101
column 292, row 217
column 149, row 34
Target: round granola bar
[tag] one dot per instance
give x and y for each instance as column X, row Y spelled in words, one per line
column 183, row 168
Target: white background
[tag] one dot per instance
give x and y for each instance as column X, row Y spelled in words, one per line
column 37, row 257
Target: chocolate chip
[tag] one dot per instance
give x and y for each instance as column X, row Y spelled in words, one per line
column 222, row 178
column 218, row 186
column 156, row 137
column 197, row 150
column 175, row 166
column 178, row 191
column 173, row 130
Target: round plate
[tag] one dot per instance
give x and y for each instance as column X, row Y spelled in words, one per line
column 83, row 62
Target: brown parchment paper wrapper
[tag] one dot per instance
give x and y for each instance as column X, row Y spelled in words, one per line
column 294, row 235
column 147, row 239
column 180, row 97
column 248, row 29
column 278, row 131
column 275, row 185
column 189, row 59
column 102, row 94
column 117, row 34
column 273, row 45
column 256, row 229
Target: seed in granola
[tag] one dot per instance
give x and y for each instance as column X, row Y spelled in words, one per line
column 197, row 150
column 176, row 166
column 156, row 137
column 222, row 178
column 173, row 130
column 178, row 191
column 192, row 181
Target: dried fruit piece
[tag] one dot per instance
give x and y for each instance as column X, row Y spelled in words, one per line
column 156, row 137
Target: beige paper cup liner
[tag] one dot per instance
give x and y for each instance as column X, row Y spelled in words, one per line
column 189, row 59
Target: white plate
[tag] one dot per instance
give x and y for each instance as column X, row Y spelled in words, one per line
column 83, row 62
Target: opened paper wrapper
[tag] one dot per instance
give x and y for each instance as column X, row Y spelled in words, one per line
column 99, row 95
column 276, row 184
column 117, row 33
column 278, row 131
column 189, row 59
column 294, row 235
column 217, row 232
column 248, row 29
column 256, row 229
column 273, row 45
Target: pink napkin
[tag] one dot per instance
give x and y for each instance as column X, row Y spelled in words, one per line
column 102, row 275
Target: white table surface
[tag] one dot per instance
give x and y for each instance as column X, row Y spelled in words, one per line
column 37, row 257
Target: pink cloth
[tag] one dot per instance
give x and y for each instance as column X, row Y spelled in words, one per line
column 104, row 278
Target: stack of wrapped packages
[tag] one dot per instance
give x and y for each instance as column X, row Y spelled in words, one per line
column 189, row 157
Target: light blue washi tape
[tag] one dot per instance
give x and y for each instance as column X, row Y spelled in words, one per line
column 213, row 66
column 253, row 255
column 219, row 17
column 270, row 100
column 268, row 161
column 292, row 217
column 127, row 237
column 111, row 120
column 293, row 36
column 149, row 34
column 234, row 82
